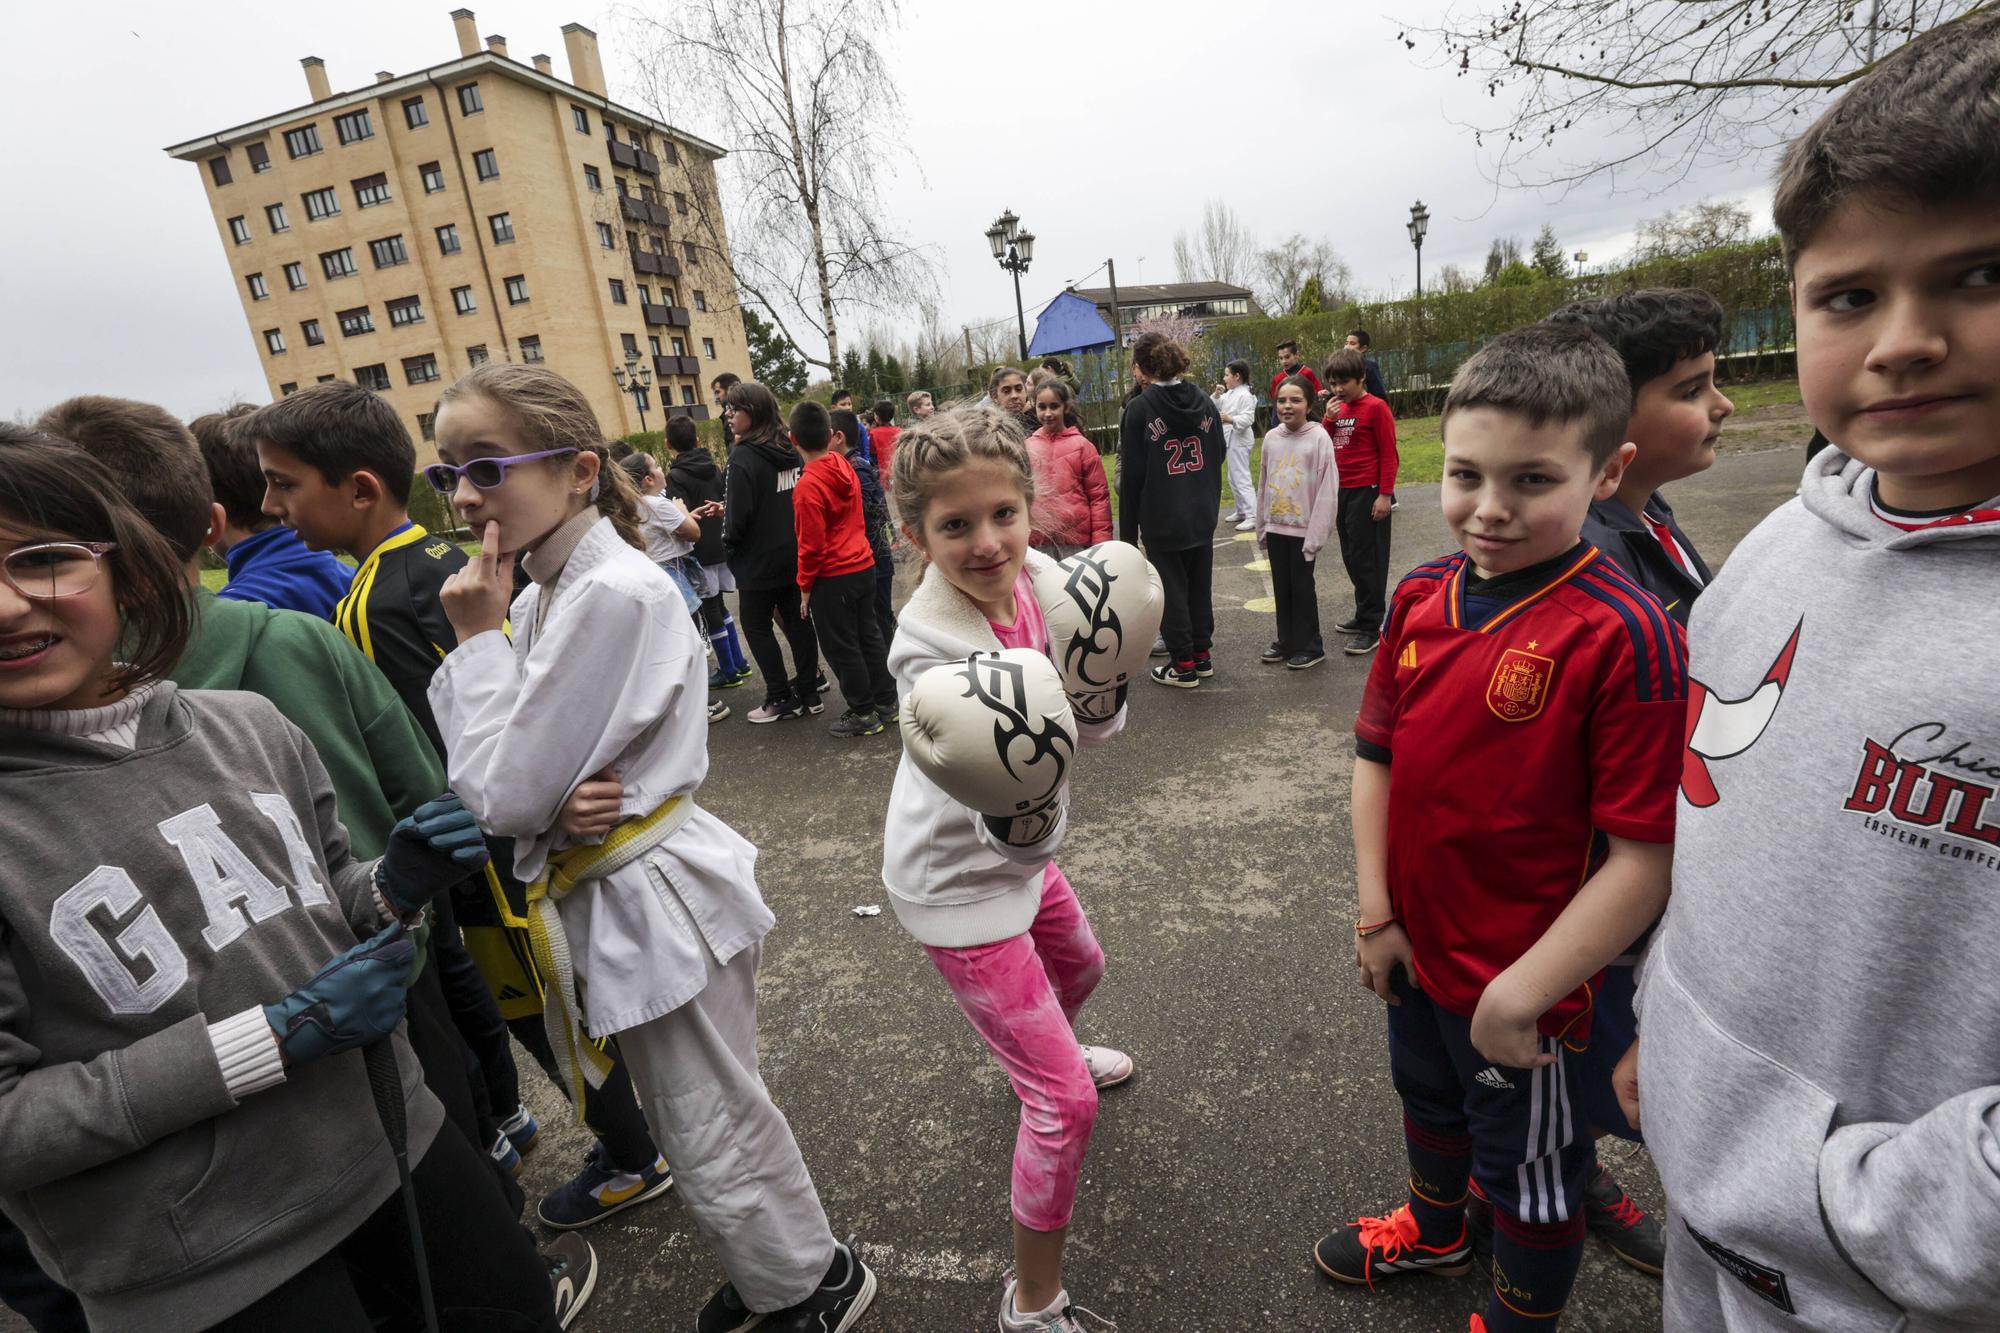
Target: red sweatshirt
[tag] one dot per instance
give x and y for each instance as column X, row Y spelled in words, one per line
column 1364, row 443
column 826, row 509
column 1304, row 372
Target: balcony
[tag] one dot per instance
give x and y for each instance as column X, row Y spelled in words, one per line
column 675, row 316
column 647, row 163
column 623, row 154
column 676, row 365
column 658, row 214
column 695, row 412
column 634, row 210
column 648, row 261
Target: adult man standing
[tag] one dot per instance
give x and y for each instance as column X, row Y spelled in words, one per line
column 718, row 388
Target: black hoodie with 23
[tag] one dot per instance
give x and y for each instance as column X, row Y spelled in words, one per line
column 1170, row 456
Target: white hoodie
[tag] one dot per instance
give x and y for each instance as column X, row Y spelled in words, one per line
column 952, row 883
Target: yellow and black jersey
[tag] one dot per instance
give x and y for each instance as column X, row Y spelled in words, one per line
column 393, row 613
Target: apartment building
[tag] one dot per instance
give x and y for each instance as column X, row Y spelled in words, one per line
column 401, row 233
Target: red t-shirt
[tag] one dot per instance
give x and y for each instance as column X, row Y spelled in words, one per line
column 882, row 441
column 826, row 514
column 1304, row 372
column 1516, row 731
column 1364, row 442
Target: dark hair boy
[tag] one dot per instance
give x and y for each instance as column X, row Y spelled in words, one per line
column 1364, row 450
column 267, row 561
column 836, row 571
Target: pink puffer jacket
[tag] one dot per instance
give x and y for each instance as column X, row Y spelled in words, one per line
column 1072, row 498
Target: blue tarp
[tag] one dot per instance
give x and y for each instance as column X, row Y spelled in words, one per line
column 1069, row 325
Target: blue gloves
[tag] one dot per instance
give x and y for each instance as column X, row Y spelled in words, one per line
column 429, row 850
column 354, row 1000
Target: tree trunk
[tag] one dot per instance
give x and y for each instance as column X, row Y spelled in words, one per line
column 809, row 196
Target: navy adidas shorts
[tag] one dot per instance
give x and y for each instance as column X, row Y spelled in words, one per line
column 1613, row 1029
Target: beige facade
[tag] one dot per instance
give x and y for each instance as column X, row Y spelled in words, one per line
column 400, row 233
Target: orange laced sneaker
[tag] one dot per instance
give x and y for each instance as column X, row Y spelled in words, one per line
column 1372, row 1247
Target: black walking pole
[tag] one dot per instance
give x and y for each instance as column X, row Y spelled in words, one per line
column 386, row 1083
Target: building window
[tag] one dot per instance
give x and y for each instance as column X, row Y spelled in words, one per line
column 667, row 296
column 680, row 347
column 433, row 176
column 356, row 321
column 302, row 142
column 312, row 333
column 421, row 370
column 517, row 290
column 610, row 130
column 579, row 118
column 372, row 377
column 606, row 237
column 708, row 348
column 502, row 225
column 295, row 276
column 672, row 151
column 638, row 139
column 644, row 397
column 618, row 291
column 531, row 350
column 371, row 190
column 475, row 355
column 680, row 203
column 461, row 297
column 485, row 165
column 323, row 379
column 389, row 252
column 687, row 395
column 653, row 342
column 427, row 421
column 645, row 294
column 592, row 181
column 322, row 204
column 218, row 167
column 414, row 114
column 448, row 239
column 239, row 231
column 687, row 252
column 258, row 291
column 337, row 263
column 354, row 126
column 630, row 343
column 260, row 157
column 287, row 390
column 700, row 299
column 405, row 310
column 632, row 241
column 468, row 99
column 274, row 217
column 274, row 341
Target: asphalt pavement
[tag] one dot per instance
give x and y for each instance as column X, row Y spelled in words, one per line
column 1209, row 845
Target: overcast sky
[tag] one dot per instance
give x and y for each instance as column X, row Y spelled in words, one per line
column 1106, row 133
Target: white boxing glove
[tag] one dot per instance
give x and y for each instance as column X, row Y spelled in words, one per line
column 996, row 733
column 1103, row 608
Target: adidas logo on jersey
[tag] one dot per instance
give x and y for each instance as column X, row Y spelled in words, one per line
column 1408, row 657
column 1493, row 1078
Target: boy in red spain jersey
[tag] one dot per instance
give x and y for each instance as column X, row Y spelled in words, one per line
column 1516, row 761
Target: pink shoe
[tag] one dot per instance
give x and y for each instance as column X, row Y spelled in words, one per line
column 1108, row 1068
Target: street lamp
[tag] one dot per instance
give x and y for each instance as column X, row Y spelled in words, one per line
column 1014, row 250
column 1581, row 259
column 1420, row 222
column 634, row 379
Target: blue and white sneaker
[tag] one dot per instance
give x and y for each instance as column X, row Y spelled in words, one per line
column 521, row 1130
column 601, row 1190
column 505, row 1155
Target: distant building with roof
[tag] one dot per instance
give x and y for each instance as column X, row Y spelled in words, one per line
column 1204, row 302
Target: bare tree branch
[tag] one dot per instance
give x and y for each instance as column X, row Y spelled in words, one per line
column 1220, row 250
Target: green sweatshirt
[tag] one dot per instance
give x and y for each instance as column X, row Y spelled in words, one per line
column 380, row 762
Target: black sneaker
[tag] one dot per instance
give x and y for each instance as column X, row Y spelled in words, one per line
column 572, row 1276
column 776, row 710
column 1351, row 625
column 1166, row 673
column 1300, row 661
column 1204, row 665
column 1630, row 1231
column 819, row 683
column 816, row 705
column 1273, row 655
column 836, row 1307
column 853, row 723
column 1369, row 1248
column 1359, row 645
column 719, row 679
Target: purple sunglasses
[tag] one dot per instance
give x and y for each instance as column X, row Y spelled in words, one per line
column 485, row 473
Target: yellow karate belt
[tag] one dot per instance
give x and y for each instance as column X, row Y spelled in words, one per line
column 582, row 1060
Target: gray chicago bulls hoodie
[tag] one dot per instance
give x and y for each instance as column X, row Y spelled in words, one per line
column 152, row 898
column 1820, row 1009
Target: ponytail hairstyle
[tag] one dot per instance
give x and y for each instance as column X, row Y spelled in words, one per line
column 638, row 465
column 1060, row 388
column 761, row 404
column 53, row 490
column 947, row 440
column 552, row 413
column 1159, row 356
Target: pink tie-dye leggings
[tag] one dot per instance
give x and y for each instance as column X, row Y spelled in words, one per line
column 1022, row 996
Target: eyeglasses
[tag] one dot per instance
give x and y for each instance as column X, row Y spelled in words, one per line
column 485, row 473
column 48, row 570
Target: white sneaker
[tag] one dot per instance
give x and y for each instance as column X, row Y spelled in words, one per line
column 1247, row 525
column 1108, row 1068
column 1062, row 1317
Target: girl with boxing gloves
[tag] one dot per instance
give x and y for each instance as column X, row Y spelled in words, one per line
column 978, row 810
column 190, row 960
column 638, row 899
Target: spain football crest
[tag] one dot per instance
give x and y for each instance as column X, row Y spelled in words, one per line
column 1520, row 685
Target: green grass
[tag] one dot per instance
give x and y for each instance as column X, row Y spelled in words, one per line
column 213, row 579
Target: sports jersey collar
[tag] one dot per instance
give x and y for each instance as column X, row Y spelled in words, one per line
column 348, row 616
column 1458, row 615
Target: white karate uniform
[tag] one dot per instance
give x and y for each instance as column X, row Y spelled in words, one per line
column 1240, row 405
column 665, row 949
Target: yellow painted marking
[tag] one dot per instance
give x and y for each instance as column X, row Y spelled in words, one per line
column 1246, row 536
column 1260, row 566
column 1268, row 604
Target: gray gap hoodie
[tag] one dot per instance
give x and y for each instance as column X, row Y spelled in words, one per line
column 1820, row 1010
column 144, row 896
